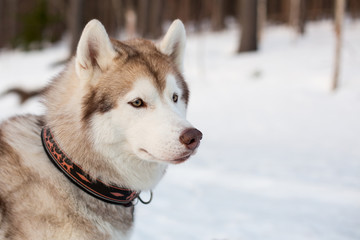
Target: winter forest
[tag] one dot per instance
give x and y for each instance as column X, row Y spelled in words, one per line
column 275, row 90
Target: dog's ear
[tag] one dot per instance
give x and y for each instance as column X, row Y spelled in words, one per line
column 173, row 43
column 94, row 50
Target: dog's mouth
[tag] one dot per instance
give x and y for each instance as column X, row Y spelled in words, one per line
column 181, row 160
column 173, row 161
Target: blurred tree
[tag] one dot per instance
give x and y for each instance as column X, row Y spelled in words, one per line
column 75, row 23
column 150, row 17
column 30, row 22
column 34, row 28
column 155, row 19
column 275, row 11
column 285, row 7
column 218, row 15
column 184, row 10
column 297, row 15
column 302, row 17
column 320, row 9
column 248, row 21
column 130, row 19
column 12, row 24
column 57, row 26
column 339, row 16
column 353, row 7
column 118, row 6
column 262, row 17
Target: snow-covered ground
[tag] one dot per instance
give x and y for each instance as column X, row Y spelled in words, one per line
column 280, row 157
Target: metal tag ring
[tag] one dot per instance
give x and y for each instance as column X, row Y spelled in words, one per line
column 148, row 201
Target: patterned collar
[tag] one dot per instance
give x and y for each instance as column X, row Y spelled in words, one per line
column 95, row 187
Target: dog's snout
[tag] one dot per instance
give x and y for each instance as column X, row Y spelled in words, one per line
column 191, row 138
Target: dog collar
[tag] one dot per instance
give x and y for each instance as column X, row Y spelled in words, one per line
column 96, row 188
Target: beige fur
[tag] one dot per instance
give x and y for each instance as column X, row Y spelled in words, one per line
column 36, row 200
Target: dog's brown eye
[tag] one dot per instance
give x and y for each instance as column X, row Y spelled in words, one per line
column 137, row 103
column 175, row 97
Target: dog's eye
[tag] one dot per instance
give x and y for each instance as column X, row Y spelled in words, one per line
column 175, row 97
column 137, row 103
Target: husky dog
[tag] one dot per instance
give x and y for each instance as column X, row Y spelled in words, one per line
column 114, row 120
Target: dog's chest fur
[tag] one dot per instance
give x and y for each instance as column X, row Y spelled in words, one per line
column 32, row 188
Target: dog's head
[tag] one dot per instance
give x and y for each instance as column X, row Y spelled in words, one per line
column 135, row 95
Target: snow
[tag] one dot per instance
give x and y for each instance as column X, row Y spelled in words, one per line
column 280, row 157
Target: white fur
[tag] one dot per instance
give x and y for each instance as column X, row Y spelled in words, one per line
column 175, row 40
column 156, row 128
column 143, row 140
column 94, row 38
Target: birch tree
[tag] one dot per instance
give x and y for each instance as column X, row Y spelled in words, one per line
column 339, row 16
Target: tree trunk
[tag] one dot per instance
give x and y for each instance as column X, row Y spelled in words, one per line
column 142, row 13
column 75, row 22
column 155, row 19
column 262, row 17
column 297, row 15
column 302, row 17
column 218, row 15
column 130, row 19
column 118, row 6
column 248, row 20
column 12, row 16
column 2, row 37
column 285, row 7
column 339, row 15
column 294, row 13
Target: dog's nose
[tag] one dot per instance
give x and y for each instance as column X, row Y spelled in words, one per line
column 191, row 138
